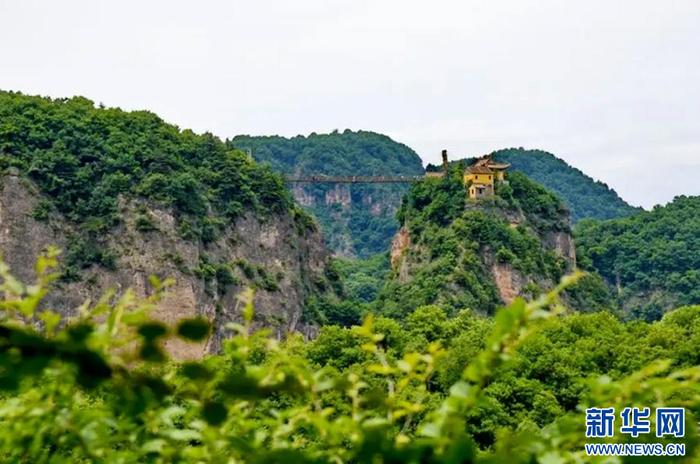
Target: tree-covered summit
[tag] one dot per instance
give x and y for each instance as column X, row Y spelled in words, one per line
column 84, row 157
column 652, row 258
column 337, row 153
column 94, row 167
column 585, row 197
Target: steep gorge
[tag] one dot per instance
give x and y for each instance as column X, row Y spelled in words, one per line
column 356, row 220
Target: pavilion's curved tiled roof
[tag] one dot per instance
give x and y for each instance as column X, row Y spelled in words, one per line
column 476, row 169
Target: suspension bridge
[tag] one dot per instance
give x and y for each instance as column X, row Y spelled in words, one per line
column 352, row 179
column 320, row 179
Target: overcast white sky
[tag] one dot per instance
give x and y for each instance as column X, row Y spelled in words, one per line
column 613, row 87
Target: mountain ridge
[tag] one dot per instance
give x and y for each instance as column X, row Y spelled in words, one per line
column 585, row 196
column 357, row 220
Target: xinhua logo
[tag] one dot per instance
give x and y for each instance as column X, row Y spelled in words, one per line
column 600, row 422
column 634, row 422
column 670, row 421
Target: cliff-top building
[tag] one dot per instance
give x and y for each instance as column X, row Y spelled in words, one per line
column 481, row 176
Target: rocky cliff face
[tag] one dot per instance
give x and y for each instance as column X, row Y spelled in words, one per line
column 410, row 261
column 356, row 219
column 339, row 194
column 511, row 281
column 283, row 264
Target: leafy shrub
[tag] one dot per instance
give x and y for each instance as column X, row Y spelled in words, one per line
column 504, row 255
column 248, row 269
column 267, row 281
column 100, row 387
column 42, row 210
column 83, row 253
column 144, row 223
column 224, row 275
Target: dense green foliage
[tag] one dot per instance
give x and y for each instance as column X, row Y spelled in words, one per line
column 542, row 209
column 456, row 241
column 429, row 389
column 652, row 257
column 545, row 378
column 440, row 201
column 585, row 197
column 353, row 228
column 337, row 153
column 359, row 281
column 85, row 159
column 433, row 379
column 363, row 278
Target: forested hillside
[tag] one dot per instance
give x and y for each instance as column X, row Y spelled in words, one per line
column 82, row 158
column 585, row 197
column 255, row 352
column 357, row 220
column 652, row 258
column 461, row 253
column 126, row 195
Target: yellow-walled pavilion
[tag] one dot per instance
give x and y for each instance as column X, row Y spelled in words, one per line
column 481, row 176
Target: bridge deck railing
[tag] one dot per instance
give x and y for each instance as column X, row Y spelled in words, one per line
column 353, row 179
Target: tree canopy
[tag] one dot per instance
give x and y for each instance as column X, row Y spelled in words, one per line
column 652, row 258
column 83, row 157
column 86, row 159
